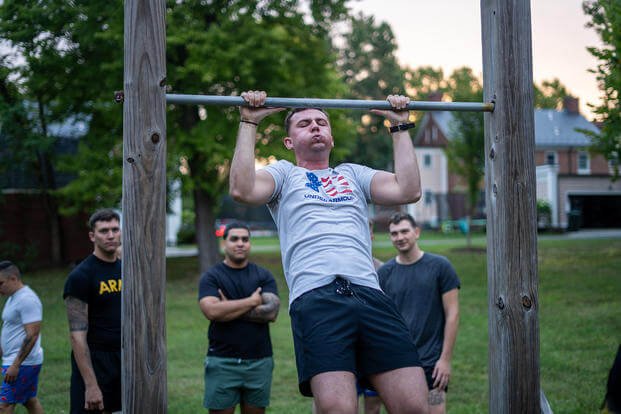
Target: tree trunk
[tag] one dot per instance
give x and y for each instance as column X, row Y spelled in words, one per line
column 208, row 251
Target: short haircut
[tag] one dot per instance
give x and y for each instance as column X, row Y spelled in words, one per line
column 399, row 217
column 105, row 214
column 234, row 225
column 8, row 268
column 295, row 111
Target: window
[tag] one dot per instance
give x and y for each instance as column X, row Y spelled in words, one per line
column 428, row 197
column 583, row 163
column 612, row 163
column 427, row 160
column 551, row 158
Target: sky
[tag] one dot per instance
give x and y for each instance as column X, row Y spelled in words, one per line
column 447, row 34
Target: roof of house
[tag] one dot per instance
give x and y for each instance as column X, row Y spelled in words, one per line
column 552, row 128
column 561, row 128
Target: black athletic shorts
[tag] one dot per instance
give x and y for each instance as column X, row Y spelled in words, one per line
column 107, row 367
column 348, row 327
column 429, row 377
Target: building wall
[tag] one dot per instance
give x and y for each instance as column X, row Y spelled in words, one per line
column 433, row 167
column 24, row 230
column 567, row 161
column 582, row 185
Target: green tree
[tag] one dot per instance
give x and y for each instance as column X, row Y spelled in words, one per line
column 424, row 81
column 72, row 63
column 224, row 48
column 606, row 21
column 550, row 94
column 371, row 71
column 466, row 149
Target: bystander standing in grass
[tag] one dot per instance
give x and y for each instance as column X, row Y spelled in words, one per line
column 22, row 355
column 92, row 296
column 240, row 299
column 424, row 287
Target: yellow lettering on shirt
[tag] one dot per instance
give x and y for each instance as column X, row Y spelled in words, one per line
column 103, row 288
column 110, row 286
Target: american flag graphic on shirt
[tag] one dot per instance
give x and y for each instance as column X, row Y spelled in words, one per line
column 333, row 183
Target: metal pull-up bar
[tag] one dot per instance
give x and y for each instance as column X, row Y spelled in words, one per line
column 329, row 103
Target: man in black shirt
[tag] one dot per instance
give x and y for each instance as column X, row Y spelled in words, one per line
column 93, row 299
column 240, row 299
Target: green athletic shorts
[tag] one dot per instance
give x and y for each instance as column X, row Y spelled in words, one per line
column 231, row 380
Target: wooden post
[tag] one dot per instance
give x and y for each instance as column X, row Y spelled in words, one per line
column 144, row 209
column 511, row 212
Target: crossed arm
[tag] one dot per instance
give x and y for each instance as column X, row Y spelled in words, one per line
column 77, row 315
column 258, row 307
column 32, row 333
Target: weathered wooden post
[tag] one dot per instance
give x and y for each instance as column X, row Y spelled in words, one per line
column 144, row 209
column 511, row 213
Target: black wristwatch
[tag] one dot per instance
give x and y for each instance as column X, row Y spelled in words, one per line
column 402, row 127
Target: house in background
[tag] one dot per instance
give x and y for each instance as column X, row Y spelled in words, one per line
column 576, row 183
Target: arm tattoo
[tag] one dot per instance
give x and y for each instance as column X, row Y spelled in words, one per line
column 77, row 314
column 26, row 347
column 266, row 312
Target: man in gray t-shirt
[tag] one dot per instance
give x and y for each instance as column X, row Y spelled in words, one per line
column 344, row 327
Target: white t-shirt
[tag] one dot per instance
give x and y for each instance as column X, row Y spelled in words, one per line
column 21, row 308
column 322, row 223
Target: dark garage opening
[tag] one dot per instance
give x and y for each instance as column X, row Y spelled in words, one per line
column 596, row 211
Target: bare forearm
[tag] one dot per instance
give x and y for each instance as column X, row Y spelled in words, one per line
column 29, row 341
column 82, row 355
column 224, row 311
column 450, row 335
column 406, row 167
column 267, row 312
column 242, row 175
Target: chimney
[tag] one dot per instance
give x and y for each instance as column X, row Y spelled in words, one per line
column 435, row 96
column 571, row 105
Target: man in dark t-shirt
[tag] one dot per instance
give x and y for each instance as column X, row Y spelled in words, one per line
column 92, row 296
column 424, row 288
column 240, row 299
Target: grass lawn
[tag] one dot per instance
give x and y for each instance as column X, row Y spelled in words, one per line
column 579, row 315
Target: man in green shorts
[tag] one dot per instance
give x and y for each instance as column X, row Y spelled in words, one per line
column 240, row 299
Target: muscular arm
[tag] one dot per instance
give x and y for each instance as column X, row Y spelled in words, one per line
column 246, row 185
column 442, row 371
column 224, row 310
column 32, row 333
column 403, row 186
column 77, row 315
column 267, row 311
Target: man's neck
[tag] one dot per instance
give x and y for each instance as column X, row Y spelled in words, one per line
column 410, row 257
column 314, row 164
column 235, row 265
column 106, row 257
column 18, row 288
